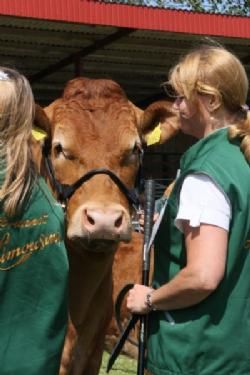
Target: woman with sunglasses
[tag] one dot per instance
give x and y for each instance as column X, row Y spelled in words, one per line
column 199, row 321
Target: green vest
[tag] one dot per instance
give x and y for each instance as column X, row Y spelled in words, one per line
column 212, row 337
column 33, row 287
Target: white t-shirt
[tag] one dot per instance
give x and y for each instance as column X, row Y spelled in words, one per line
column 202, row 201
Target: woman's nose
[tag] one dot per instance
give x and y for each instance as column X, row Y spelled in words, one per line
column 177, row 102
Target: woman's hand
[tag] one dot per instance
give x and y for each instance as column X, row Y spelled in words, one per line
column 136, row 301
column 141, row 219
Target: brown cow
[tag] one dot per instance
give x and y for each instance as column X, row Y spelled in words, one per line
column 94, row 126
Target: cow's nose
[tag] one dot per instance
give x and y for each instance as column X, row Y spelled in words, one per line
column 109, row 221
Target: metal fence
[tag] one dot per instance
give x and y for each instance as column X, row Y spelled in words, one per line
column 162, row 167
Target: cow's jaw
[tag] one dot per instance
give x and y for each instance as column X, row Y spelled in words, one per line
column 95, row 246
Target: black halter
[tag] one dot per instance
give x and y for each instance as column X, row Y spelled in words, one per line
column 64, row 191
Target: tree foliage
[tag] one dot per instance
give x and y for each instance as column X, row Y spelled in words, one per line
column 230, row 7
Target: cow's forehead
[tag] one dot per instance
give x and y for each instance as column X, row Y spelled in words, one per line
column 121, row 138
column 98, row 113
column 112, row 125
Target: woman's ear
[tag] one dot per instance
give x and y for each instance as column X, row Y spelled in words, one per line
column 211, row 101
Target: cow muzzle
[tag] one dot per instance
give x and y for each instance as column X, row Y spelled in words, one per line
column 92, row 222
column 110, row 222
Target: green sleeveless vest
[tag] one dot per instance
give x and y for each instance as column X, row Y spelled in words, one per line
column 212, row 337
column 33, row 287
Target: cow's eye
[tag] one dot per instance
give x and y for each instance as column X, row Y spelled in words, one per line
column 132, row 155
column 60, row 151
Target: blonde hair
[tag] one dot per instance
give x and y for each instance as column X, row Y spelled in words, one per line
column 16, row 118
column 214, row 70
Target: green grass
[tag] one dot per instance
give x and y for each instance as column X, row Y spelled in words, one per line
column 122, row 366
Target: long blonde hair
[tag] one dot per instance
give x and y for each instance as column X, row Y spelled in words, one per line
column 16, row 118
column 214, row 70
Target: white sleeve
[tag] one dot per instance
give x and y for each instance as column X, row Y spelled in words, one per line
column 202, row 201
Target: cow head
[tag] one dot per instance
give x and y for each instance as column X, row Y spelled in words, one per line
column 93, row 126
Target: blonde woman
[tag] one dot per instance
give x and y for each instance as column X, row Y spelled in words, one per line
column 201, row 286
column 33, row 261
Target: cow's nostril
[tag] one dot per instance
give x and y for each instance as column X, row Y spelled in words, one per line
column 90, row 220
column 118, row 222
column 108, row 222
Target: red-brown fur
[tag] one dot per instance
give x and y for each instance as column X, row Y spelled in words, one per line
column 97, row 127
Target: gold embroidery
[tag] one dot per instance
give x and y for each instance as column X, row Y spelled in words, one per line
column 22, row 253
column 5, row 240
column 19, row 261
column 24, row 223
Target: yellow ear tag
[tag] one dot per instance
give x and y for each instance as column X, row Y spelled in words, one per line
column 154, row 136
column 38, row 133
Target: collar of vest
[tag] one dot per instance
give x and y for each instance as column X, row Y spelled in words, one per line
column 201, row 147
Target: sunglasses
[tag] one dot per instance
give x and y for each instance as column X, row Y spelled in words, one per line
column 170, row 91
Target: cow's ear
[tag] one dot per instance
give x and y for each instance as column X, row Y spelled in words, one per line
column 41, row 124
column 40, row 132
column 159, row 122
column 50, row 109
